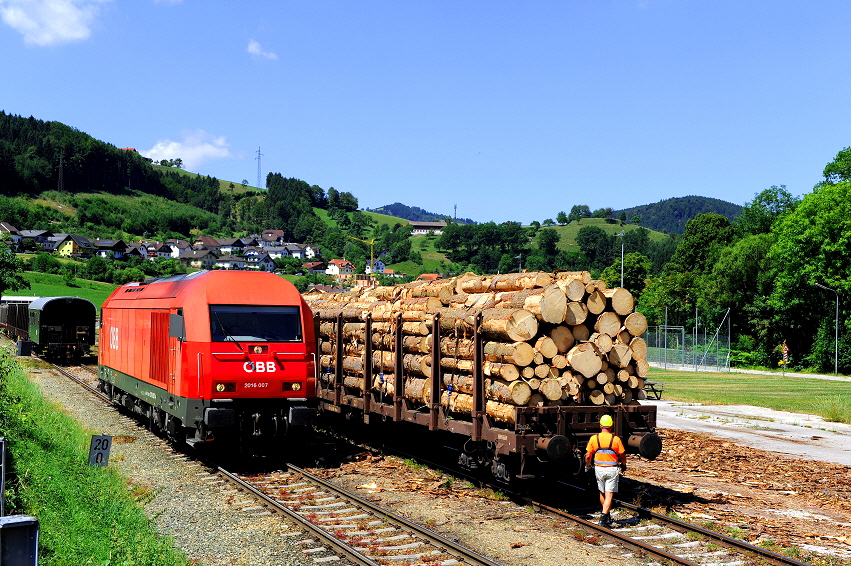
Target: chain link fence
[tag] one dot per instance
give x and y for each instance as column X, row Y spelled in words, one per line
column 677, row 347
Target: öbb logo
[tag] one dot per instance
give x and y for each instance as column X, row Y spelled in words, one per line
column 259, row 367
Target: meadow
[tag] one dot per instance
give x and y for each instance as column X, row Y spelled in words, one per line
column 829, row 399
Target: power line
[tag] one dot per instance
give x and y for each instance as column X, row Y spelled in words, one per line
column 258, row 167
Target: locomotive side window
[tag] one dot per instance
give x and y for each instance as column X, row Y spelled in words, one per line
column 250, row 323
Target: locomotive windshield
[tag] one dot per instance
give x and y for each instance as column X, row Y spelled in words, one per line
column 251, row 323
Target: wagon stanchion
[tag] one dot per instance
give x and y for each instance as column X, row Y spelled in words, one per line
column 436, row 374
column 367, row 372
column 478, row 412
column 338, row 364
column 399, row 378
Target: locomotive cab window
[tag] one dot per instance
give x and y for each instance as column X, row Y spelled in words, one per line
column 248, row 323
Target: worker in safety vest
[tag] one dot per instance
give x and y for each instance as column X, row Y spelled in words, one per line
column 606, row 452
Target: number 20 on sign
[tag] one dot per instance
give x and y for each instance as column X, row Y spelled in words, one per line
column 99, row 450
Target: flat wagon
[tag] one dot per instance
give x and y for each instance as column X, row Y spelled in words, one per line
column 533, row 441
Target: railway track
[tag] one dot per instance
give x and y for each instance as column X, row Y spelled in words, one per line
column 649, row 534
column 349, row 526
column 338, row 525
column 643, row 533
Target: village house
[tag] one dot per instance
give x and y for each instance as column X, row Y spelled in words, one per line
column 314, row 266
column 428, row 277
column 206, row 243
column 340, row 268
column 199, row 259
column 231, row 246
column 311, row 251
column 230, row 262
column 419, row 228
column 139, row 249
column 114, row 249
column 377, row 267
column 295, row 250
column 276, row 252
column 178, row 247
column 158, row 249
column 261, row 262
column 271, row 238
column 71, row 245
column 33, row 238
column 17, row 239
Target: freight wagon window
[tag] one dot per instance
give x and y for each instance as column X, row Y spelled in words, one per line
column 241, row 323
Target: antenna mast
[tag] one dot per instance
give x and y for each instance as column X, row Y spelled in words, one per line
column 61, row 172
column 259, row 186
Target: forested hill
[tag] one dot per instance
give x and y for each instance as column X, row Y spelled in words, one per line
column 38, row 155
column 670, row 215
column 414, row 213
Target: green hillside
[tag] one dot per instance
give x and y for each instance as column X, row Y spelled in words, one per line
column 569, row 232
column 224, row 186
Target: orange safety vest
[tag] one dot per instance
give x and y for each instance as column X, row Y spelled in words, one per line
column 605, row 457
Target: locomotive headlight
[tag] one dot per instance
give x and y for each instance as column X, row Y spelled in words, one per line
column 225, row 387
column 220, row 387
column 296, row 386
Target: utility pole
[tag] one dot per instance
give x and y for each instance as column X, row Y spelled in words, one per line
column 61, row 172
column 621, row 237
column 836, row 329
column 259, row 186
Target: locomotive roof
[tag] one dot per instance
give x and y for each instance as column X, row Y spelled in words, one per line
column 201, row 281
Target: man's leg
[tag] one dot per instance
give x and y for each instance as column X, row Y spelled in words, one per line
column 607, row 502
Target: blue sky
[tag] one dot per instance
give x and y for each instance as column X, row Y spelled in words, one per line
column 511, row 110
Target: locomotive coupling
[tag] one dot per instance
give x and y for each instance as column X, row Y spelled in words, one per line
column 648, row 444
column 552, row 448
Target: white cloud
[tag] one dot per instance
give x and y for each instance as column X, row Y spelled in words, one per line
column 196, row 148
column 257, row 51
column 51, row 22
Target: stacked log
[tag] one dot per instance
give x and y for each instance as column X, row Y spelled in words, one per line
column 548, row 339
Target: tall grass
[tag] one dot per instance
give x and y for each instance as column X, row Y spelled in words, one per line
column 86, row 514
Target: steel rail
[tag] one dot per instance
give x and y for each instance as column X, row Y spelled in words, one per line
column 103, row 396
column 675, row 524
column 339, row 546
column 683, row 527
column 450, row 547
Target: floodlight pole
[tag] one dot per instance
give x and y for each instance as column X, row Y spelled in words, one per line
column 621, row 237
column 836, row 329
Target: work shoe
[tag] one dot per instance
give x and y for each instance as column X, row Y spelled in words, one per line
column 606, row 520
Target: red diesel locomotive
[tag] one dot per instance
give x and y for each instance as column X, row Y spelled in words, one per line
column 222, row 356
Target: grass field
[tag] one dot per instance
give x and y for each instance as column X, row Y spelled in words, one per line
column 49, row 285
column 829, row 399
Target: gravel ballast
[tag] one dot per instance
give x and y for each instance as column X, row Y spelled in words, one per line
column 208, row 523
